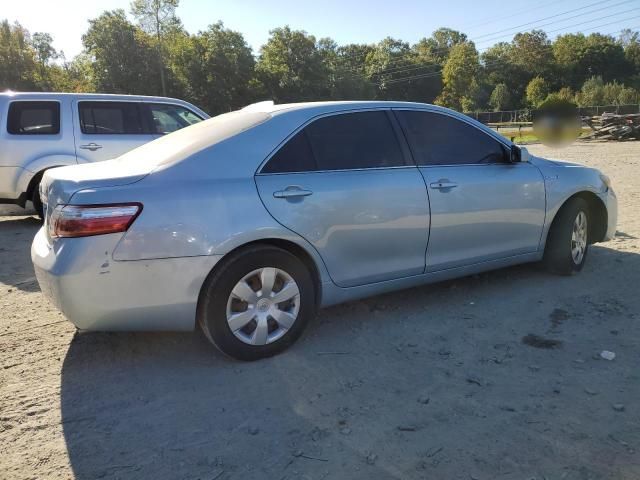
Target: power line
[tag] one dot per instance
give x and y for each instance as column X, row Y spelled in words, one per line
column 604, row 25
column 436, row 73
column 357, row 68
column 517, row 14
column 576, row 16
column 430, row 65
column 518, row 26
column 545, row 18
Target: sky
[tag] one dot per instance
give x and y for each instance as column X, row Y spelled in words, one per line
column 359, row 21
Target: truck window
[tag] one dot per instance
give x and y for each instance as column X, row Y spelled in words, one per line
column 33, row 118
column 109, row 118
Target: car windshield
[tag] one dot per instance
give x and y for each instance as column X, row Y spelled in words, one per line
column 187, row 141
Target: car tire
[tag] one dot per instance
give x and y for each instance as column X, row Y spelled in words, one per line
column 568, row 240
column 226, row 304
column 36, row 200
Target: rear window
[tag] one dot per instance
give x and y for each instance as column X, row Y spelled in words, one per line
column 34, row 118
column 110, row 118
column 340, row 142
column 187, row 141
column 354, row 140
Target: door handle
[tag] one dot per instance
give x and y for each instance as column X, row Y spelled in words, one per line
column 91, row 146
column 292, row 192
column 441, row 185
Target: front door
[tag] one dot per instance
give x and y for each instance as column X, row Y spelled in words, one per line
column 345, row 185
column 482, row 206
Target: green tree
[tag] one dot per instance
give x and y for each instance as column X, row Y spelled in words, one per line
column 537, row 91
column 349, row 78
column 532, row 51
column 591, row 93
column 500, row 98
column 579, row 57
column 291, row 67
column 157, row 17
column 123, row 55
column 459, row 75
column 43, row 46
column 17, row 58
column 437, row 47
column 630, row 41
column 216, row 67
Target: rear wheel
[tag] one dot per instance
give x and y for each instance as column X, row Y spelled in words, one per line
column 568, row 240
column 257, row 303
column 35, row 198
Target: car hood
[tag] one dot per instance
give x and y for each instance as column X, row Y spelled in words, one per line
column 546, row 162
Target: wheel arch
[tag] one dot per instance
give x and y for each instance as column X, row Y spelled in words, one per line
column 36, row 167
column 290, row 246
column 597, row 212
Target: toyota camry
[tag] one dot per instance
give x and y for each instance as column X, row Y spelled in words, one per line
column 247, row 223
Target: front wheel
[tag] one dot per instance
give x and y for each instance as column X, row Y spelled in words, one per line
column 568, row 240
column 257, row 303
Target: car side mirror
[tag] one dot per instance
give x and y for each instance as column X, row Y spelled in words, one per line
column 518, row 154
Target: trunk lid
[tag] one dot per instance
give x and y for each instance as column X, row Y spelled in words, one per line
column 58, row 185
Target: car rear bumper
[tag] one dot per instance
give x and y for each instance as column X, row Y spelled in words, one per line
column 97, row 293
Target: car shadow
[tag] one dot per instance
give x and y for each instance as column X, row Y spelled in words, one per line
column 168, row 405
column 16, row 235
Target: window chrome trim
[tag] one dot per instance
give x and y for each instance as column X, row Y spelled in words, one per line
column 341, row 170
column 259, row 172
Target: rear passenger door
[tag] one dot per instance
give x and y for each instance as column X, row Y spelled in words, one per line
column 482, row 206
column 345, row 184
column 107, row 129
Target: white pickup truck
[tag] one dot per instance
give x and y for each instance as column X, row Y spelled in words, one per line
column 39, row 131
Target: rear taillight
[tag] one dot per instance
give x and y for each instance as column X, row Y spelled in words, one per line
column 87, row 220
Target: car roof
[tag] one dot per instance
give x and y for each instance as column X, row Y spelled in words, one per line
column 274, row 109
column 319, row 108
column 112, row 96
column 9, row 95
column 313, row 109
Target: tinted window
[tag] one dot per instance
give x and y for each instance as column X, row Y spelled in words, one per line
column 340, row 142
column 438, row 139
column 34, row 118
column 354, row 140
column 294, row 156
column 169, row 118
column 110, row 118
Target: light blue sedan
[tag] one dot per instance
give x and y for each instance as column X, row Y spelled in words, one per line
column 248, row 222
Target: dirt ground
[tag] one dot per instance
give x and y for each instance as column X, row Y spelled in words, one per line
column 428, row 383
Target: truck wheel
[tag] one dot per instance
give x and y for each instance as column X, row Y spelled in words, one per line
column 35, row 199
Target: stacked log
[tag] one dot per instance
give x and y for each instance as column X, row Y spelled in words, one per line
column 610, row 126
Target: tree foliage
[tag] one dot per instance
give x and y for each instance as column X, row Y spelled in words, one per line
column 123, row 57
column 537, row 91
column 459, row 76
column 157, row 18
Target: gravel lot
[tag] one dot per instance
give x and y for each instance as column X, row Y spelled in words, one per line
column 433, row 382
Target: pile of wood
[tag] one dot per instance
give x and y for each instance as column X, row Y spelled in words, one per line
column 610, row 126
